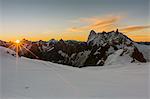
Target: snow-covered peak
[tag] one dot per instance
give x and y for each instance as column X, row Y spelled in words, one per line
column 110, row 37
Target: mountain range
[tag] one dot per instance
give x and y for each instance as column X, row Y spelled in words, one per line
column 100, row 49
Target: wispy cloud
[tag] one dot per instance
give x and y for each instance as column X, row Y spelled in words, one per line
column 134, row 28
column 96, row 23
column 106, row 23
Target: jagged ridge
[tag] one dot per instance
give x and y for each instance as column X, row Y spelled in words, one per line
column 99, row 49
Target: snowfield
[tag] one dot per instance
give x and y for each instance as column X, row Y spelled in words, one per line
column 35, row 79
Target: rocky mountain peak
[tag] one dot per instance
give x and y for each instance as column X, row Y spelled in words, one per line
column 92, row 34
column 112, row 37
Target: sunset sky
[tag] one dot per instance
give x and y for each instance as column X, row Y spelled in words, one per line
column 73, row 19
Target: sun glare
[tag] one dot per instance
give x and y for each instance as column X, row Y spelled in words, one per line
column 17, row 41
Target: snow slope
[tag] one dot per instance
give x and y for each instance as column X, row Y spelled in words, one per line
column 145, row 49
column 35, row 79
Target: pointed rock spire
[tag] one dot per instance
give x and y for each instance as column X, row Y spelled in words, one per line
column 92, row 33
column 117, row 31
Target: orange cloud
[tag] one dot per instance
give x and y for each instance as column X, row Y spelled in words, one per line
column 108, row 23
column 134, row 28
column 96, row 23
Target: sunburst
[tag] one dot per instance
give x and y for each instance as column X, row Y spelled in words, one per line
column 18, row 46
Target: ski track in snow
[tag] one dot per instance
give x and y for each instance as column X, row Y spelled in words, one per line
column 35, row 79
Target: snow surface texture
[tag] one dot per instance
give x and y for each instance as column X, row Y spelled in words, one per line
column 35, row 79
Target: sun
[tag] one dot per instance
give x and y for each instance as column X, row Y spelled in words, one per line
column 17, row 41
column 18, row 46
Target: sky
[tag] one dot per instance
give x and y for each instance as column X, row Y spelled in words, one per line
column 73, row 19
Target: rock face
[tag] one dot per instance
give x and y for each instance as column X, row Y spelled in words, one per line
column 100, row 49
column 108, row 44
column 111, row 38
